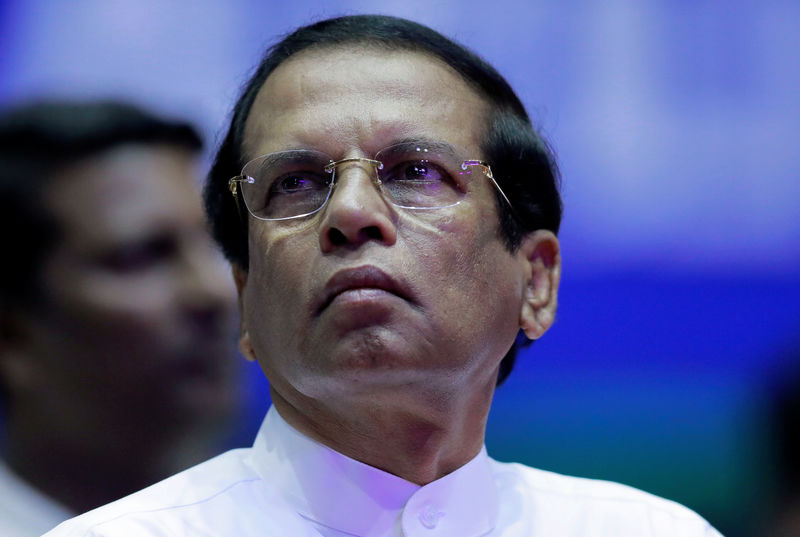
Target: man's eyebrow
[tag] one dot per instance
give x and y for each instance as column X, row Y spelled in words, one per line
column 292, row 156
column 437, row 146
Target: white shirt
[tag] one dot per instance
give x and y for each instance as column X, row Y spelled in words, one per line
column 24, row 511
column 288, row 485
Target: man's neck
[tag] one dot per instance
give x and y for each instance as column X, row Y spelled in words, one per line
column 77, row 483
column 420, row 443
column 81, row 478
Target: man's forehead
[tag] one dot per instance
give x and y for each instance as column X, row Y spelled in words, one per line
column 121, row 192
column 333, row 82
column 346, row 56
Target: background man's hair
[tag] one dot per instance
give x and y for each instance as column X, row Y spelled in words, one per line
column 520, row 158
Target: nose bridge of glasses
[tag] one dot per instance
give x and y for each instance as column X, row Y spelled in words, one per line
column 352, row 165
column 360, row 173
column 338, row 167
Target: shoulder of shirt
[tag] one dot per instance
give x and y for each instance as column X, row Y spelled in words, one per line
column 606, row 498
column 191, row 488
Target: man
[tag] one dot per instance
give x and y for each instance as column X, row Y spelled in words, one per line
column 116, row 319
column 391, row 230
column 783, row 417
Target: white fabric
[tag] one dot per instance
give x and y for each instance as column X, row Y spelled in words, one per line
column 289, row 485
column 24, row 511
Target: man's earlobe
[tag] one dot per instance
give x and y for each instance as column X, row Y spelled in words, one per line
column 541, row 257
column 245, row 346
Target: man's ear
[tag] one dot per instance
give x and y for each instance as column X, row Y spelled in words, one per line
column 541, row 258
column 245, row 346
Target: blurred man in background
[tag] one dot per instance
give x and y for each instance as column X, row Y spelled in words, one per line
column 784, row 443
column 116, row 311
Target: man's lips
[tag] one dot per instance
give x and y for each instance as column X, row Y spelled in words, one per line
column 367, row 277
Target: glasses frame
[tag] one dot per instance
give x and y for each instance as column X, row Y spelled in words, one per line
column 233, row 186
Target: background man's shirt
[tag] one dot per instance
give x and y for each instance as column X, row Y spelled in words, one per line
column 24, row 511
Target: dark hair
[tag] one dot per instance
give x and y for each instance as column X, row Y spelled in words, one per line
column 522, row 162
column 784, row 422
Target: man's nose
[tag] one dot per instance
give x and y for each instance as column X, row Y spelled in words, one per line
column 357, row 211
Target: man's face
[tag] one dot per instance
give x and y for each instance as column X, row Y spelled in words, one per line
column 364, row 298
column 136, row 321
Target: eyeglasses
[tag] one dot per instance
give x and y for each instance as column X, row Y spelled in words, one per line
column 298, row 183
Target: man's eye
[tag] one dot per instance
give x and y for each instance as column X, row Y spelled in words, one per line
column 140, row 255
column 297, row 184
column 417, row 171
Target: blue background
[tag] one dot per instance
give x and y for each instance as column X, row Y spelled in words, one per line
column 676, row 129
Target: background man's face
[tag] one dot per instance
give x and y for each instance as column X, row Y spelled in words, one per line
column 137, row 315
column 454, row 307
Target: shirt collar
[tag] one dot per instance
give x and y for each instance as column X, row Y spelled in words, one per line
column 336, row 491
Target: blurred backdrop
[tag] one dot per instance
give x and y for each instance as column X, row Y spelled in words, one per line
column 676, row 130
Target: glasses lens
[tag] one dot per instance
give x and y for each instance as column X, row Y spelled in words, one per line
column 286, row 184
column 416, row 176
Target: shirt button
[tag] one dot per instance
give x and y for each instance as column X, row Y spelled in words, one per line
column 429, row 516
